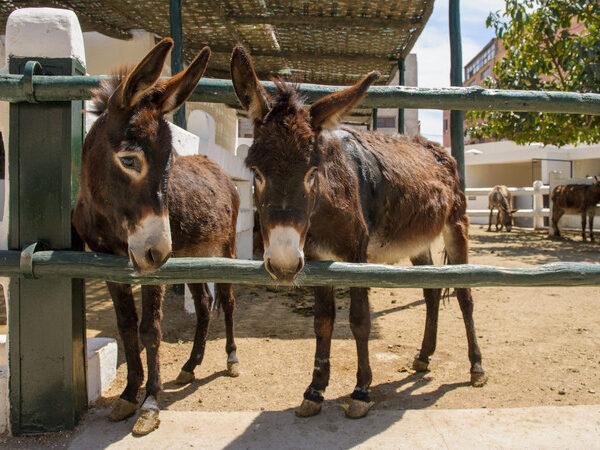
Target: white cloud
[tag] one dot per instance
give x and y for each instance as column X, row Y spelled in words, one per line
column 433, row 50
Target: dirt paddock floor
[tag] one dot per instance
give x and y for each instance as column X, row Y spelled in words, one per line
column 539, row 345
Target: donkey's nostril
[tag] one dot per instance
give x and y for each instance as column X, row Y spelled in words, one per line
column 150, row 256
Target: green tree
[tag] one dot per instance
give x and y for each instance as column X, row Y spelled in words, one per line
column 542, row 54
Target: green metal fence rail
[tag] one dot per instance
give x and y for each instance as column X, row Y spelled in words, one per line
column 100, row 266
column 14, row 88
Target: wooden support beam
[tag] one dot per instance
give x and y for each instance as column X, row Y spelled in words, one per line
column 292, row 55
column 325, row 21
column 222, row 15
column 415, row 35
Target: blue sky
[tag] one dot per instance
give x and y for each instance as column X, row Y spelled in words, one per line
column 433, row 50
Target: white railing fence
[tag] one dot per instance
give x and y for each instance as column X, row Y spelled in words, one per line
column 537, row 211
column 537, row 191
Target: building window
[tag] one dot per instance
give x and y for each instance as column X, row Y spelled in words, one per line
column 445, row 125
column 486, row 72
column 386, row 122
column 486, row 55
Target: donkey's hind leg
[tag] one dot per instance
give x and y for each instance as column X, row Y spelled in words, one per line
column 127, row 318
column 227, row 301
column 202, row 301
column 456, row 240
column 432, row 302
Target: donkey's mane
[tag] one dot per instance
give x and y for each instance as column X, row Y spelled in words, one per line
column 286, row 99
column 107, row 87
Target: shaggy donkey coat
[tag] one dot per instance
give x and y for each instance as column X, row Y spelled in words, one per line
column 138, row 198
column 329, row 193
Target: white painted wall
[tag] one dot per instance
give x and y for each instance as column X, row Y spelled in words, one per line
column 505, row 162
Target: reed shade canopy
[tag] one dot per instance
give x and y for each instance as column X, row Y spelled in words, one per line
column 324, row 42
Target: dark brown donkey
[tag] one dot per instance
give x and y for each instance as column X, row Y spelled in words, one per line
column 139, row 198
column 326, row 193
column 575, row 199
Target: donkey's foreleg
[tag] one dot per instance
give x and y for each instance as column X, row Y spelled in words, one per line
column 323, row 323
column 152, row 297
column 583, row 220
column 491, row 218
column 432, row 301
column 456, row 240
column 127, row 323
column 227, row 300
column 591, row 215
column 360, row 324
column 202, row 301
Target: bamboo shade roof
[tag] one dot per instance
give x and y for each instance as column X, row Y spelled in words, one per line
column 325, row 42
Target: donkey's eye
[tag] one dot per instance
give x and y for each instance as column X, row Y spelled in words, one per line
column 131, row 162
column 258, row 176
column 309, row 178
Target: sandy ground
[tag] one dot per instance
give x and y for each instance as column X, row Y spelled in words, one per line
column 539, row 345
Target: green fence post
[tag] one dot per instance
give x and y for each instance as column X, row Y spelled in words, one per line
column 401, row 70
column 46, row 316
column 456, row 117
column 177, row 52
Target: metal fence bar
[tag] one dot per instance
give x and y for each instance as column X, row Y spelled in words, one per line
column 184, row 270
column 62, row 88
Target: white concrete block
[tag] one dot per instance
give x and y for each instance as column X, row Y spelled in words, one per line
column 4, row 404
column 188, row 299
column 44, row 32
column 102, row 366
column 184, row 142
column 3, row 351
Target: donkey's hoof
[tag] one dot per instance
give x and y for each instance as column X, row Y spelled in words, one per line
column 184, row 377
column 478, row 379
column 122, row 410
column 309, row 408
column 356, row 409
column 233, row 369
column 147, row 422
column 420, row 366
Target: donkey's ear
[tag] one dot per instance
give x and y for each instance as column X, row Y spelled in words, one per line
column 328, row 111
column 144, row 76
column 180, row 87
column 512, row 211
column 249, row 91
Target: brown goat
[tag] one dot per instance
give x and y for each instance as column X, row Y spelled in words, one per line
column 575, row 199
column 501, row 199
column 346, row 195
column 138, row 198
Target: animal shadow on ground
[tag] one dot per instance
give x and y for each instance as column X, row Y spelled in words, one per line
column 534, row 247
column 327, row 431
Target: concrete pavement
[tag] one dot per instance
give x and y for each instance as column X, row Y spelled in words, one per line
column 535, row 427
